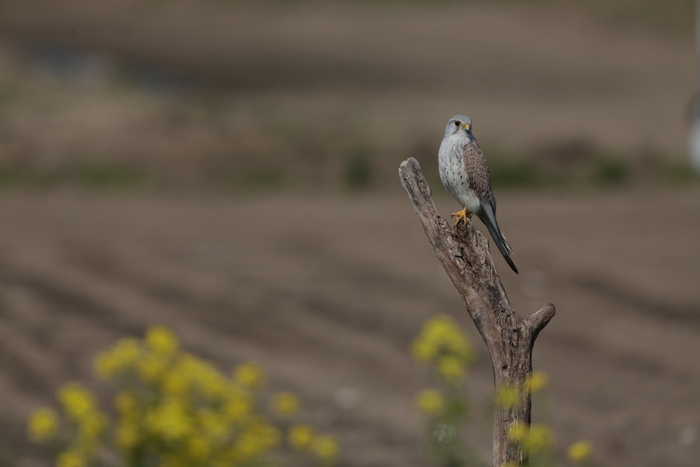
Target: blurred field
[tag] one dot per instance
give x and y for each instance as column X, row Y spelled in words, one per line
column 327, row 294
column 229, row 170
column 224, row 94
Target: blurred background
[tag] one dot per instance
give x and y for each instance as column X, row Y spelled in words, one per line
column 229, row 169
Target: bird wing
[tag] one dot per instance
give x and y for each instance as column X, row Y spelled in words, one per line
column 480, row 182
column 478, row 173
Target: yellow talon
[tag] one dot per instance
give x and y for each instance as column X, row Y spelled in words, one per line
column 462, row 216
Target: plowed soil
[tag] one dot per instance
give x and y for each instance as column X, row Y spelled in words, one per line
column 327, row 295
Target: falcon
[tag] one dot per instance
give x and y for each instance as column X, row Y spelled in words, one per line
column 465, row 174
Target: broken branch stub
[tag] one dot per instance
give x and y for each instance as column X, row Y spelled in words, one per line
column 464, row 253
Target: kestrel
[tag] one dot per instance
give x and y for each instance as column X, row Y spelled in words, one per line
column 465, row 174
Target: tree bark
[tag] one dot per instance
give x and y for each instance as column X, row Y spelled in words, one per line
column 464, row 253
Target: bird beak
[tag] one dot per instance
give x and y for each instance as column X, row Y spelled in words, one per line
column 466, row 127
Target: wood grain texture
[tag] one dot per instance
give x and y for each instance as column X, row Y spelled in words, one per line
column 464, row 253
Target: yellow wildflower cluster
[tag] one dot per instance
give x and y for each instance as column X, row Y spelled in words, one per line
column 70, row 458
column 533, row 439
column 508, row 395
column 42, row 425
column 303, row 438
column 537, row 442
column 300, row 436
column 174, row 410
column 430, row 402
column 443, row 344
column 580, row 451
column 285, row 404
column 249, row 375
column 536, row 381
column 84, row 418
column 122, row 357
column 326, row 449
column 81, row 409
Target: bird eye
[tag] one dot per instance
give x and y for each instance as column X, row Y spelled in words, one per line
column 457, row 123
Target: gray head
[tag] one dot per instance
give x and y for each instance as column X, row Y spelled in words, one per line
column 459, row 123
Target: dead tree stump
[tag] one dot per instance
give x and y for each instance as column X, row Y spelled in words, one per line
column 464, row 253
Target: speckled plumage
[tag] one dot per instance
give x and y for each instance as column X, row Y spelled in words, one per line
column 465, row 174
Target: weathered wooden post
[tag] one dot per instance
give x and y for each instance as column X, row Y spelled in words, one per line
column 464, row 253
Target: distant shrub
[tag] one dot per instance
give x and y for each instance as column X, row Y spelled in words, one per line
column 610, row 171
column 357, row 173
column 679, row 173
column 512, row 172
column 106, row 175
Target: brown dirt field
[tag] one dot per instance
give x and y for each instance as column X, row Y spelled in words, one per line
column 327, row 294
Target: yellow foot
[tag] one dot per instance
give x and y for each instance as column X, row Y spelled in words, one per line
column 462, row 216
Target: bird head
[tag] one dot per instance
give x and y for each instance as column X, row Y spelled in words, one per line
column 457, row 124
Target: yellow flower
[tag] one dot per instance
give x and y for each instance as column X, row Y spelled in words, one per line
column 90, row 428
column 450, row 368
column 541, row 439
column 301, row 436
column 123, row 356
column 210, row 381
column 77, row 401
column 182, row 375
column 192, row 373
column 172, row 460
column 175, row 382
column 199, row 447
column 507, row 396
column 285, row 404
column 105, row 365
column 162, row 340
column 326, row 449
column 430, row 402
column 442, row 336
column 126, row 403
column 536, row 381
column 518, row 432
column 42, row 425
column 227, row 457
column 258, row 438
column 70, row 459
column 151, row 368
column 214, row 426
column 249, row 375
column 268, row 435
column 424, row 350
column 169, row 420
column 580, row 451
column 127, row 435
column 238, row 406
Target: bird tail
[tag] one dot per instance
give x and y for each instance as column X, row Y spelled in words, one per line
column 488, row 217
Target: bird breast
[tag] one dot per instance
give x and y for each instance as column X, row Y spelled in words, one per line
column 451, row 164
column 453, row 173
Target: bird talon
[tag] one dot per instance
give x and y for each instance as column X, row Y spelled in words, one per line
column 461, row 216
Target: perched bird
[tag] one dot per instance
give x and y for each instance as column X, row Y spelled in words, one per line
column 464, row 173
